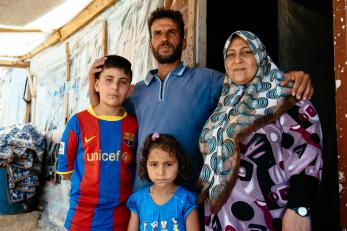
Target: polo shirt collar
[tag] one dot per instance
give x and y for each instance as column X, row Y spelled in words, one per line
column 178, row 71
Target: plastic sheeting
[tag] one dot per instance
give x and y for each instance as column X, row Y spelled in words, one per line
column 128, row 34
column 48, row 105
column 84, row 50
column 12, row 105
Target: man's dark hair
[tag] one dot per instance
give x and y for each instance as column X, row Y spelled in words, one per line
column 116, row 61
column 168, row 144
column 160, row 13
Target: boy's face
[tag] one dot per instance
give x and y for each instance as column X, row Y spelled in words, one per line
column 113, row 86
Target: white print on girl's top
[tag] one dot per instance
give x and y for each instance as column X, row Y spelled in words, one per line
column 145, row 226
column 175, row 225
column 154, row 225
column 163, row 225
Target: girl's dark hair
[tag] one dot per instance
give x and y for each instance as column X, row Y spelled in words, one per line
column 160, row 13
column 116, row 61
column 168, row 144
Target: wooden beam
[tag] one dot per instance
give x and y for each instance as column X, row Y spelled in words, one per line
column 201, row 46
column 9, row 56
column 27, row 106
column 30, row 95
column 33, row 98
column 13, row 30
column 66, row 107
column 105, row 39
column 19, row 64
column 67, row 56
column 95, row 8
column 191, row 35
column 168, row 4
column 67, row 70
column 30, row 83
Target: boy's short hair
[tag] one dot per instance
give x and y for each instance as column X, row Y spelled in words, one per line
column 116, row 61
column 160, row 13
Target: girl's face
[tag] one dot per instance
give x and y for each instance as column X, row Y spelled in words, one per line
column 162, row 167
column 240, row 62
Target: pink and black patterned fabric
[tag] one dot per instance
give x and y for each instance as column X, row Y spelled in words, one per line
column 280, row 167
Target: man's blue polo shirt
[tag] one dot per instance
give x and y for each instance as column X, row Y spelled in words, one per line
column 180, row 105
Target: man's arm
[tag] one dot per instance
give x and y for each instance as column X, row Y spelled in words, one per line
column 95, row 68
column 302, row 87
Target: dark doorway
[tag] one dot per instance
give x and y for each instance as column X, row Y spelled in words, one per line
column 298, row 35
column 224, row 17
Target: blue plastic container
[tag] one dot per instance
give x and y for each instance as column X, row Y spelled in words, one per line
column 5, row 207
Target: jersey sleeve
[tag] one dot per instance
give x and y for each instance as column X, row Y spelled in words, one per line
column 132, row 204
column 68, row 147
column 190, row 203
column 302, row 146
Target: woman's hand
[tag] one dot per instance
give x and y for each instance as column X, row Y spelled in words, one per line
column 293, row 222
column 302, row 88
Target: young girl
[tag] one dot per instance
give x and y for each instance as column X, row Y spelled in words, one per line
column 164, row 205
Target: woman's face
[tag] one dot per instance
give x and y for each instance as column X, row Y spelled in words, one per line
column 240, row 62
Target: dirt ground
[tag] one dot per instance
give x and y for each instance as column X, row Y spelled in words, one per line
column 20, row 222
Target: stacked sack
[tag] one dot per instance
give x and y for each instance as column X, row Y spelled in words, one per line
column 21, row 152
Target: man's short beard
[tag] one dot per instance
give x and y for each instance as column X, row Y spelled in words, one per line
column 176, row 55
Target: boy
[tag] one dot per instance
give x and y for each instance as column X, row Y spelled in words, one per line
column 96, row 151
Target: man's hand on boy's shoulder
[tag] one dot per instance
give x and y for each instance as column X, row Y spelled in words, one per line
column 302, row 88
column 95, row 68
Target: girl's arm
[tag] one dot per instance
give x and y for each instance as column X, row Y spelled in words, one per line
column 134, row 223
column 192, row 221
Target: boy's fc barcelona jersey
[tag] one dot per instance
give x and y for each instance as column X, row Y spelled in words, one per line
column 98, row 151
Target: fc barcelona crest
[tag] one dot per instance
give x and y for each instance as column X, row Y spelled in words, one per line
column 129, row 139
column 126, row 158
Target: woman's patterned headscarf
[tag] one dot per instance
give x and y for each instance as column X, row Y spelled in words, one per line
column 241, row 110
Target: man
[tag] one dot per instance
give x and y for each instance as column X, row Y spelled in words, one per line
column 177, row 99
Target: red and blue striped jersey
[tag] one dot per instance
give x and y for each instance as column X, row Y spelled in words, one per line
column 99, row 152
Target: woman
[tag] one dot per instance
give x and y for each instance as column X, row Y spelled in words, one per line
column 262, row 161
